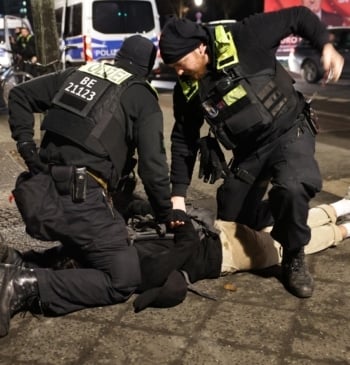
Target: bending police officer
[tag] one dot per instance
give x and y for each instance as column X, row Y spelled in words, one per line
column 229, row 76
column 96, row 117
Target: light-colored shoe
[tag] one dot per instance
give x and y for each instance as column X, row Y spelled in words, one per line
column 346, row 217
column 347, row 196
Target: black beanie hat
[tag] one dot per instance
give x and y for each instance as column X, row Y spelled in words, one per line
column 137, row 55
column 180, row 37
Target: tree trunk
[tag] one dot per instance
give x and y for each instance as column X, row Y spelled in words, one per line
column 45, row 30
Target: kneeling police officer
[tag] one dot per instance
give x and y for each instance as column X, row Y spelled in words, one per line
column 96, row 117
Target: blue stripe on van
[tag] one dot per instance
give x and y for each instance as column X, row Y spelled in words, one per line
column 105, row 49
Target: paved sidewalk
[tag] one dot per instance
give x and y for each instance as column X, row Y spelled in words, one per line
column 260, row 323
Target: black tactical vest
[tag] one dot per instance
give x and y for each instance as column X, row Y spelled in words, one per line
column 233, row 101
column 88, row 112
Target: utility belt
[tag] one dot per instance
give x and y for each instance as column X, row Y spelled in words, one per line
column 74, row 181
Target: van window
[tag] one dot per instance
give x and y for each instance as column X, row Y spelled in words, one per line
column 58, row 15
column 72, row 26
column 11, row 33
column 75, row 18
column 118, row 17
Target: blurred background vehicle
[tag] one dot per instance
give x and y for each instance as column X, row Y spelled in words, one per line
column 163, row 73
column 304, row 60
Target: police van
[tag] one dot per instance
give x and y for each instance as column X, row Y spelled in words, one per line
column 93, row 30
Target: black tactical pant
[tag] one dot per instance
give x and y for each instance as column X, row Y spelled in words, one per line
column 289, row 165
column 96, row 238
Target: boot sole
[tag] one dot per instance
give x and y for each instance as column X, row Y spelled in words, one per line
column 4, row 252
column 6, row 292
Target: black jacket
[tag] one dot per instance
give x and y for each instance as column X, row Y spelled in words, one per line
column 142, row 112
column 25, row 46
column 169, row 264
column 201, row 259
column 256, row 39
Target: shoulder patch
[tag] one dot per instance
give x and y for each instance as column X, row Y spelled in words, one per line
column 104, row 71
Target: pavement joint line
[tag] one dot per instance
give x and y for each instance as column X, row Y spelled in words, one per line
column 333, row 100
column 326, row 145
column 342, row 116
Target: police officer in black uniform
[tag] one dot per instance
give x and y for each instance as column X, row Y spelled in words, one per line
column 96, row 116
column 229, row 77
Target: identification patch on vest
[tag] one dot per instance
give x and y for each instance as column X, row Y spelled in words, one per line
column 80, row 92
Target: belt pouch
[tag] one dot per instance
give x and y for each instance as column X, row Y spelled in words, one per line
column 62, row 175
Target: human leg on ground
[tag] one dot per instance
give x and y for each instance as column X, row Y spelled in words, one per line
column 112, row 270
column 246, row 249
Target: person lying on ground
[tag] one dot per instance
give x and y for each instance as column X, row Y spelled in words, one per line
column 203, row 248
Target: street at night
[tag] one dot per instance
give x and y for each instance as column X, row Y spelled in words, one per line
column 259, row 323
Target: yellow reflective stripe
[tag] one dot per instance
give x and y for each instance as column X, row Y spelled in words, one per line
column 111, row 73
column 189, row 88
column 225, row 47
column 234, row 95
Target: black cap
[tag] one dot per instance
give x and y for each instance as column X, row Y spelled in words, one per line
column 180, row 37
column 137, row 55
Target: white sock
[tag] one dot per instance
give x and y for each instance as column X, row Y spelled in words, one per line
column 341, row 207
column 347, row 227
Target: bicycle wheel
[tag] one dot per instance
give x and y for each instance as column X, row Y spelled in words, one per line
column 13, row 79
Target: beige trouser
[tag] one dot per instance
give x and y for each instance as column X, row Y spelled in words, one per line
column 245, row 249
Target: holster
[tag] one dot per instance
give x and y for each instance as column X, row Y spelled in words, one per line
column 311, row 119
column 70, row 180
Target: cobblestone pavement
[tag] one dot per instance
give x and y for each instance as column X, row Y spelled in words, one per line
column 259, row 323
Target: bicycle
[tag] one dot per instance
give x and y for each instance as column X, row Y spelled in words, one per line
column 10, row 78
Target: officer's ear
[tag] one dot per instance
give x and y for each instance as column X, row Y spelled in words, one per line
column 202, row 49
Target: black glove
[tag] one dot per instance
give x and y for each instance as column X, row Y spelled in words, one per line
column 179, row 215
column 212, row 163
column 178, row 218
column 29, row 153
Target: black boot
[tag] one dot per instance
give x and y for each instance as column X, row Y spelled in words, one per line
column 295, row 274
column 9, row 255
column 18, row 292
